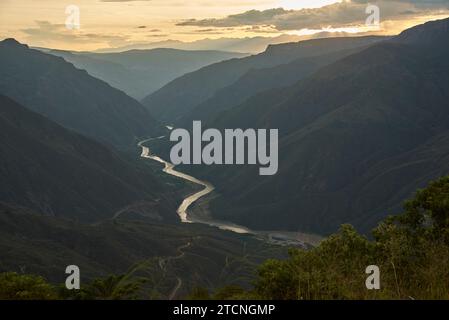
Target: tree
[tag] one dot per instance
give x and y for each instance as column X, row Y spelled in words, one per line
column 15, row 286
column 428, row 212
column 199, row 293
column 411, row 250
column 114, row 287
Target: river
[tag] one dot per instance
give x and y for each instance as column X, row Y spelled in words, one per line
column 275, row 237
column 182, row 210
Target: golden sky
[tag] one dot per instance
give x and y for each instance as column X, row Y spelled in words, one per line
column 116, row 23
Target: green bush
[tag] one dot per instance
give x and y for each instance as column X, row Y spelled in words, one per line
column 411, row 250
column 15, row 286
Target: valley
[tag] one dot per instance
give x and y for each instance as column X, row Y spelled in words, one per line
column 200, row 215
column 150, row 169
column 357, row 136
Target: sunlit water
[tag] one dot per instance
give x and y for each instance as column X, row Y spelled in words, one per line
column 169, row 168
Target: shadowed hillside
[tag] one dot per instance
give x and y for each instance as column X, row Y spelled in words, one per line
column 55, row 88
column 165, row 254
column 61, row 173
column 140, row 72
column 357, row 137
column 182, row 95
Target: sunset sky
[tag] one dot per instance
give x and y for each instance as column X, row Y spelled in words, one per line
column 117, row 23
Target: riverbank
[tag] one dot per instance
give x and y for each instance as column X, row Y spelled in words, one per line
column 195, row 208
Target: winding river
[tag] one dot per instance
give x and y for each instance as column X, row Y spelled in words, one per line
column 182, row 210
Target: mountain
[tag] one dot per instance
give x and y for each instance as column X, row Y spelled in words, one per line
column 35, row 244
column 140, row 72
column 252, row 45
column 179, row 97
column 71, row 97
column 259, row 80
column 356, row 138
column 61, row 173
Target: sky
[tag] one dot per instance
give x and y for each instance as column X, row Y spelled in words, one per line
column 119, row 23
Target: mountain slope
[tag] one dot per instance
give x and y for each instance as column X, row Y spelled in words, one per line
column 36, row 244
column 140, row 72
column 356, row 138
column 182, row 95
column 259, row 80
column 50, row 86
column 61, row 173
column 248, row 44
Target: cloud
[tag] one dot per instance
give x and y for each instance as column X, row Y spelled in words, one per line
column 157, row 35
column 123, row 0
column 215, row 31
column 210, row 31
column 251, row 17
column 200, row 3
column 260, row 29
column 46, row 31
column 341, row 14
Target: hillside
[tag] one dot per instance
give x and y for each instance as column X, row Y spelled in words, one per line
column 182, row 95
column 71, row 97
column 357, row 137
column 61, row 173
column 140, row 72
column 36, row 244
column 259, row 80
column 411, row 249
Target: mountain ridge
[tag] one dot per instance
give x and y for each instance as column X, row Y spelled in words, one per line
column 340, row 130
column 62, row 173
column 83, row 103
column 138, row 72
column 182, row 95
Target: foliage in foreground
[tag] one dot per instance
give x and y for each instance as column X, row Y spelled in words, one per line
column 25, row 287
column 15, row 286
column 411, row 250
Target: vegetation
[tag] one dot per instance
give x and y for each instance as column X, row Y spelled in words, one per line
column 15, row 286
column 34, row 244
column 355, row 138
column 411, row 250
column 25, row 287
column 112, row 287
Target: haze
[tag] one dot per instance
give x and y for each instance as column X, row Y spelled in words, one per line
column 121, row 23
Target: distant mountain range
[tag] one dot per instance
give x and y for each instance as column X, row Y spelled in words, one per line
column 357, row 137
column 140, row 72
column 248, row 44
column 253, row 45
column 201, row 89
column 71, row 97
